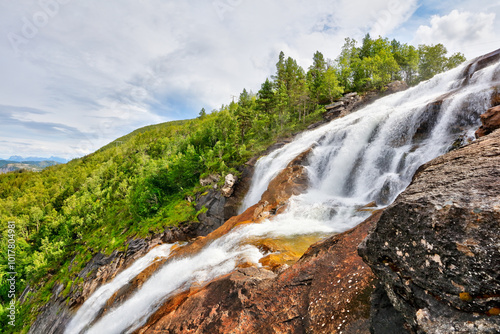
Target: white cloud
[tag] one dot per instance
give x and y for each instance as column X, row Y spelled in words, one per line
column 391, row 17
column 461, row 31
column 105, row 68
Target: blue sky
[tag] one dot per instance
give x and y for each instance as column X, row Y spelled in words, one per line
column 77, row 75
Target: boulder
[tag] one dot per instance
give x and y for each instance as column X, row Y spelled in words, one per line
column 436, row 248
column 490, row 120
column 228, row 188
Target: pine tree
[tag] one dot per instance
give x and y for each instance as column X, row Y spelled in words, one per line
column 266, row 97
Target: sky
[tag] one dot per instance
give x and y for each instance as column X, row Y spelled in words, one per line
column 75, row 75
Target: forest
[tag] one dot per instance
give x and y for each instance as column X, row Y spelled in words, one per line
column 140, row 183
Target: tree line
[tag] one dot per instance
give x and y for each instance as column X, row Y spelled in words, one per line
column 292, row 94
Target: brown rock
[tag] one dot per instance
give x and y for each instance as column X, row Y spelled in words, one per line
column 326, row 291
column 395, row 86
column 490, row 120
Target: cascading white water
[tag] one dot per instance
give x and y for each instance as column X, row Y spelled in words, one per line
column 358, row 154
column 94, row 304
column 369, row 155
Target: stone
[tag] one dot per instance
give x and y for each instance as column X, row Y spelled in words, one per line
column 395, row 86
column 334, row 105
column 490, row 122
column 384, row 318
column 210, row 180
column 213, row 202
column 435, row 249
column 228, row 188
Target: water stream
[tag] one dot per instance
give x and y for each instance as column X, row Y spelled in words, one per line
column 367, row 156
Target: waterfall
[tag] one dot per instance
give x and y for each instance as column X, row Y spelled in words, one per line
column 95, row 303
column 367, row 156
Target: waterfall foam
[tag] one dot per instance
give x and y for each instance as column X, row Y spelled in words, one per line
column 369, row 155
column 89, row 310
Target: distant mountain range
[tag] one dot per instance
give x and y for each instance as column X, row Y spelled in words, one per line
column 17, row 158
column 35, row 164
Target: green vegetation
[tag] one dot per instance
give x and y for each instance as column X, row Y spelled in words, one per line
column 139, row 183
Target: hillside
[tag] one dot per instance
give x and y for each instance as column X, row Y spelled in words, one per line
column 146, row 182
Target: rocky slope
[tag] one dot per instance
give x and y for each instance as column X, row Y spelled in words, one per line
column 447, row 220
column 436, row 248
column 326, row 291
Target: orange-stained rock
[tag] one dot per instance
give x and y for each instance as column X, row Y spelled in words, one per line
column 326, row 291
column 291, row 181
column 490, row 120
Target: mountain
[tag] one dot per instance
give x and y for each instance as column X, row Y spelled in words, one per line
column 34, row 166
column 18, row 158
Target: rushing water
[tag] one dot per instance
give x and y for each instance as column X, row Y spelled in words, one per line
column 96, row 302
column 370, row 155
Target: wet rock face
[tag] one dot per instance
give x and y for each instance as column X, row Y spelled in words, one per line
column 480, row 63
column 327, row 291
column 214, row 203
column 436, row 248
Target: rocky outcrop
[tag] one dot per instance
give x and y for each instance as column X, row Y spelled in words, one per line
column 490, row 122
column 342, row 107
column 326, row 291
column 436, row 249
column 214, row 212
column 394, row 87
column 352, row 101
